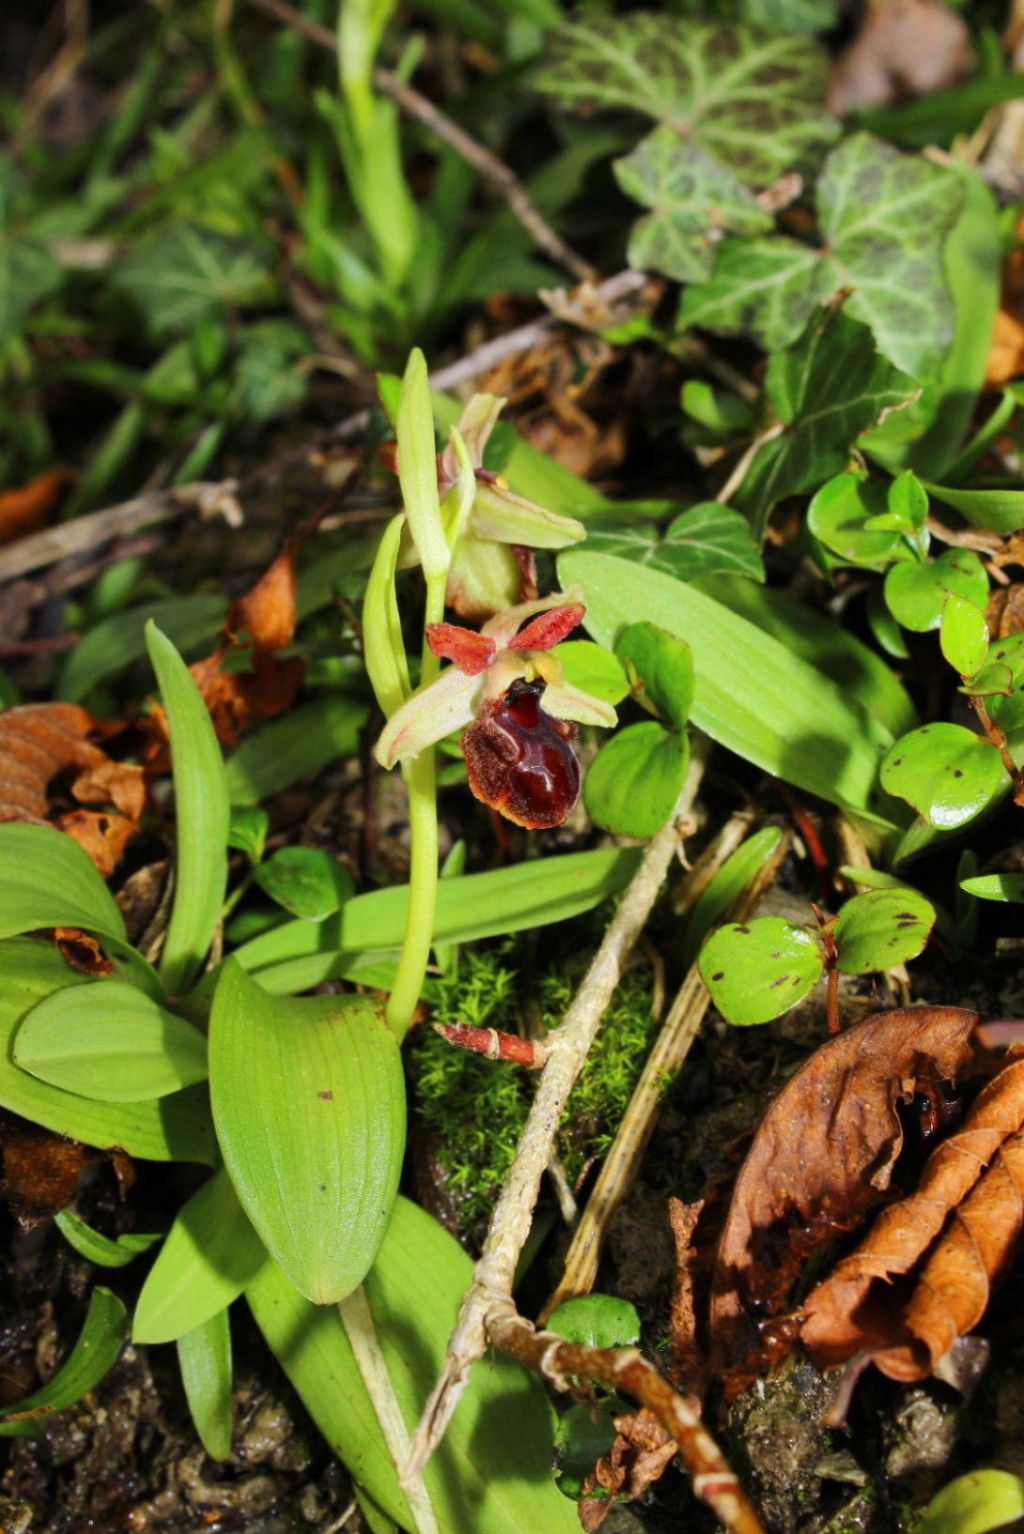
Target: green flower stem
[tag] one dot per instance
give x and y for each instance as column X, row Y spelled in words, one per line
column 421, row 786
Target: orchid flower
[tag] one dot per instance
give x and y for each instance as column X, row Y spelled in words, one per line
column 506, row 686
column 491, row 531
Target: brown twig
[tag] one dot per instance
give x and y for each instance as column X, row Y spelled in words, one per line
column 415, row 105
column 496, row 1044
column 627, row 1370
column 568, row 1045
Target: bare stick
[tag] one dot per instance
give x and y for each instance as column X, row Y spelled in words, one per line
column 620, row 1167
column 500, row 175
column 626, row 1369
column 568, row 1045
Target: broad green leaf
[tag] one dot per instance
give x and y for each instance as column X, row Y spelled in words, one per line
column 176, row 1128
column 693, row 197
column 881, row 928
column 634, row 782
column 662, row 667
column 916, row 594
column 531, row 894
column 883, row 217
column 204, row 1356
column 1001, row 511
column 594, row 669
column 946, row 772
column 749, row 96
column 597, row 1320
column 307, row 881
column 297, row 745
column 109, row 1041
column 493, row 1469
column 974, row 1504
column 826, row 389
column 309, row 1102
column 726, row 887
column 186, row 274
column 751, row 693
column 202, row 817
column 756, row 970
column 963, row 635
column 48, row 880
column 101, row 1249
column 841, row 515
column 210, row 1254
column 188, row 622
column 92, row 1356
column 1006, row 887
column 708, row 538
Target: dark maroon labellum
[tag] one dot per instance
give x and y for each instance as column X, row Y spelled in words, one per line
column 521, row 760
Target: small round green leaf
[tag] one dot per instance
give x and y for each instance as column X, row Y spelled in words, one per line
column 594, row 669
column 840, row 515
column 946, row 772
column 755, row 970
column 306, row 881
column 963, row 635
column 1001, row 684
column 663, row 666
column 585, row 1434
column 596, row 1320
column 636, row 778
column 1006, row 887
column 916, row 594
column 881, row 928
column 975, row 1504
column 908, row 502
column 309, row 1104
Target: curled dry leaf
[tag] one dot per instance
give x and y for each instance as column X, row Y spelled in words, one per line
column 33, row 506
column 40, row 741
column 41, row 1170
column 640, row 1455
column 822, row 1157
column 905, row 48
column 972, row 1192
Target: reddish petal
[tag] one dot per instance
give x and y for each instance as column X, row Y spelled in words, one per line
column 471, row 652
column 549, row 629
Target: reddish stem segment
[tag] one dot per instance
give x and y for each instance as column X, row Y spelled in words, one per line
column 495, row 1044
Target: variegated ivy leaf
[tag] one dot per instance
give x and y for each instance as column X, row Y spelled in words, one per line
column 883, row 218
column 749, row 96
column 693, row 198
column 707, row 539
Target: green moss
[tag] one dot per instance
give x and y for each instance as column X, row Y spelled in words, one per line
column 474, row 1108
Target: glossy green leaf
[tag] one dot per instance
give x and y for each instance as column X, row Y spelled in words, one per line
column 974, row 1504
column 1001, row 511
column 634, row 782
column 202, row 817
column 1007, row 887
column 843, row 516
column 908, row 502
column 963, row 635
column 302, row 742
column 916, row 594
column 750, row 97
column 204, row 1356
column 827, row 389
column 751, row 693
column 728, row 884
column 92, row 1356
column 594, row 669
column 531, row 894
column 1001, row 683
column 176, row 1128
column 48, row 880
column 210, row 1254
column 101, row 1249
column 309, row 1102
column 597, row 1320
column 307, row 881
column 662, row 667
column 756, row 970
column 109, row 1041
column 946, row 772
column 708, row 538
column 493, row 1469
column 186, row 274
column 881, row 928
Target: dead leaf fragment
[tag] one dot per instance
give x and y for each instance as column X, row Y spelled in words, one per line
column 822, row 1157
column 41, row 1170
column 905, row 48
column 640, row 1455
column 82, row 951
column 33, row 506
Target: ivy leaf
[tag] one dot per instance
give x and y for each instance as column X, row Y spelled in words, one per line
column 827, row 389
column 187, row 274
column 693, row 198
column 746, row 95
column 881, row 928
column 916, row 594
column 709, row 539
column 883, row 217
column 756, row 970
column 946, row 772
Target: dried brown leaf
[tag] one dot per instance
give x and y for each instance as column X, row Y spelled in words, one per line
column 33, row 506
column 688, row 1371
column 822, row 1157
column 41, row 1170
column 640, row 1455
